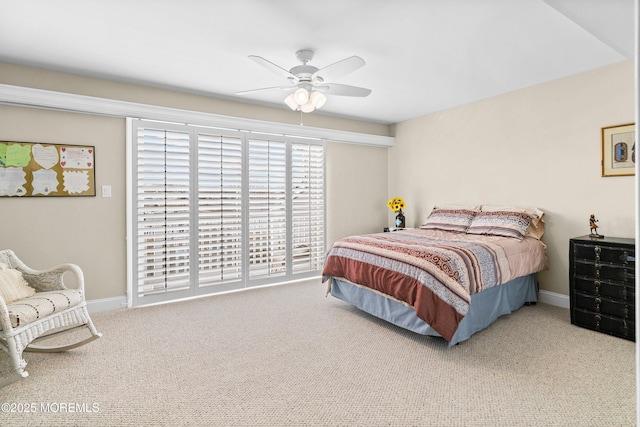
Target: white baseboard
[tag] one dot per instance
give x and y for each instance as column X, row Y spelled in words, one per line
column 106, row 304
column 553, row 298
column 115, row 303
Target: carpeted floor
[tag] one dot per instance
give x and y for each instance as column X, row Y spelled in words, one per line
column 287, row 355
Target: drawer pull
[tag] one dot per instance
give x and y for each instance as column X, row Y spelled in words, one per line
column 598, row 318
column 626, row 328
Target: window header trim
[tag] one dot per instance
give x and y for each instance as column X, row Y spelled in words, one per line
column 61, row 101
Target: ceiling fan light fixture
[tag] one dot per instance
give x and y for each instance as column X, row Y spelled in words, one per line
column 317, row 99
column 301, row 96
column 291, row 102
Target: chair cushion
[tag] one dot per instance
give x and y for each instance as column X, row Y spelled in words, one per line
column 41, row 305
column 13, row 287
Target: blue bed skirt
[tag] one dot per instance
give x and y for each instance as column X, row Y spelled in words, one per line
column 484, row 309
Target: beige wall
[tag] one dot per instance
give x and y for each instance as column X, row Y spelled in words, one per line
column 88, row 231
column 91, row 231
column 539, row 146
column 356, row 190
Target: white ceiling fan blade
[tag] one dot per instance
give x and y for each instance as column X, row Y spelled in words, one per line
column 273, row 67
column 344, row 90
column 340, row 68
column 283, row 88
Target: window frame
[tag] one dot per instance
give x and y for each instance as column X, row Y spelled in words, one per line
column 246, row 281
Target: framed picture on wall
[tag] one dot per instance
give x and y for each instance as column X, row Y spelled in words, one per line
column 619, row 150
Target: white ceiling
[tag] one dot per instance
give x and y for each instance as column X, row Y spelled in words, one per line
column 422, row 56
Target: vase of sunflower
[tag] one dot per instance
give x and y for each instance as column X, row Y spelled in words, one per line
column 397, row 204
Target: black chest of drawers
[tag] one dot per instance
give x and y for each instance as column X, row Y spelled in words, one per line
column 602, row 285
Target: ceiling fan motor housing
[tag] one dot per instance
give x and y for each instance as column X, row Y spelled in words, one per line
column 303, row 72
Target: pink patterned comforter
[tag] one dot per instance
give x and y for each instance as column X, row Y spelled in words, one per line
column 435, row 272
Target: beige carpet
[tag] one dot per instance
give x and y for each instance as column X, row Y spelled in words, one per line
column 287, row 355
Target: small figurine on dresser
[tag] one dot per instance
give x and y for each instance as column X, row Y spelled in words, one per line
column 594, row 227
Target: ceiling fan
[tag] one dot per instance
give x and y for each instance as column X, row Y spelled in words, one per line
column 308, row 84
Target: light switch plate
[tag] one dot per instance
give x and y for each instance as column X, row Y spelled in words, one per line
column 106, row 191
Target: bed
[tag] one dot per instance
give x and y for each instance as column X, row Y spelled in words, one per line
column 451, row 277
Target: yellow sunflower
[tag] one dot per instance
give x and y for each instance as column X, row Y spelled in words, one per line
column 396, row 204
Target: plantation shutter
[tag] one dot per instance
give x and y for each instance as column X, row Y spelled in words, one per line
column 267, row 208
column 162, row 210
column 307, row 207
column 219, row 209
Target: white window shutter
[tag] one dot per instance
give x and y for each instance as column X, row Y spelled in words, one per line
column 220, row 209
column 307, row 207
column 267, row 208
column 162, row 211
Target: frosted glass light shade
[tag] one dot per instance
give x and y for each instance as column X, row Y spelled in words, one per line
column 291, row 102
column 301, row 96
column 308, row 107
column 318, row 99
column 305, row 101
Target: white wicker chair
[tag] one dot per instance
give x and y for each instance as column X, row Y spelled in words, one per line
column 54, row 309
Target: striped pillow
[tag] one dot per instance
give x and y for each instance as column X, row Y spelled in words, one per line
column 502, row 223
column 449, row 220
